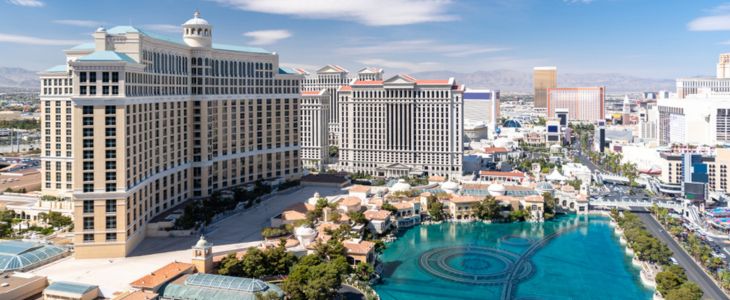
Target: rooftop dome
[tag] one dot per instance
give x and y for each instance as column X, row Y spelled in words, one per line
column 497, row 189
column 101, row 29
column 202, row 243
column 196, row 20
column 400, row 186
column 450, row 186
column 304, row 231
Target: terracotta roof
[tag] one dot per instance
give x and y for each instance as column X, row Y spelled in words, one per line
column 534, row 198
column 567, row 188
column 162, row 275
column 350, row 201
column 363, row 247
column 345, row 88
column 426, row 194
column 360, row 188
column 434, row 82
column 368, row 82
column 377, row 214
column 492, row 150
column 136, row 295
column 437, row 178
column 402, row 205
column 465, row 199
column 311, row 93
column 475, row 186
column 408, row 77
column 502, row 174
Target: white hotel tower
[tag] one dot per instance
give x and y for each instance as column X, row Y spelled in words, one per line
column 136, row 123
column 401, row 126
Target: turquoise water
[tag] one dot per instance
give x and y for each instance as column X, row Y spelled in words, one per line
column 567, row 258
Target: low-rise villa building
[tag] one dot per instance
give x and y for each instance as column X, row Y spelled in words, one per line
column 379, row 220
column 462, row 207
column 360, row 251
column 515, row 177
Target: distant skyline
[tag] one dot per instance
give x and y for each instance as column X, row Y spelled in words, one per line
column 653, row 39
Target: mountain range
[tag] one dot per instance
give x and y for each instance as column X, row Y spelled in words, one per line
column 507, row 81
column 18, row 78
column 510, row 81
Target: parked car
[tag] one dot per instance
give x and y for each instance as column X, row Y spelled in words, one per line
column 673, row 260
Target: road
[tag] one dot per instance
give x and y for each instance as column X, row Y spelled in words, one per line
column 694, row 272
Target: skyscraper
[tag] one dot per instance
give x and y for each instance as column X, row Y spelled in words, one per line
column 329, row 77
column 582, row 104
column 543, row 78
column 402, row 126
column 315, row 111
column 135, row 123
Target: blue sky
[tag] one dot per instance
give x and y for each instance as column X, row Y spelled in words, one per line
column 656, row 39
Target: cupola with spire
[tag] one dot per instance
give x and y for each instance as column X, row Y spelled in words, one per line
column 197, row 32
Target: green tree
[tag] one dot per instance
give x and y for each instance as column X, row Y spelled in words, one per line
column 364, row 271
column 550, row 205
column 687, row 291
column 279, row 260
column 270, row 295
column 231, row 266
column 489, row 209
column 389, row 207
column 255, row 264
column 435, row 208
column 358, row 217
column 670, row 278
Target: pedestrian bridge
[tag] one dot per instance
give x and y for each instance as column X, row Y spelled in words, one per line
column 635, row 203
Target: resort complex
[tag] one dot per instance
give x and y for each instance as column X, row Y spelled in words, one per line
column 175, row 162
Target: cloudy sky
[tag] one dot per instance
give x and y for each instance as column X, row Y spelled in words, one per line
column 648, row 38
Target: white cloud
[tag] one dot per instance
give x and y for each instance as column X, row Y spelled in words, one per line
column 267, row 37
column 402, row 65
column 307, row 67
column 710, row 23
column 27, row 3
column 29, row 40
column 79, row 23
column 169, row 28
column 718, row 20
column 368, row 12
column 419, row 46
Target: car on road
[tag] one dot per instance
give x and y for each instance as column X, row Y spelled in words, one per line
column 673, row 261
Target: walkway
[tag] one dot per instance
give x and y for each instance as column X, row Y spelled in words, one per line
column 694, row 272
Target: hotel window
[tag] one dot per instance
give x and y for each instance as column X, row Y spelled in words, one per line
column 105, row 90
column 88, row 223
column 112, row 236
column 105, row 77
column 88, row 237
column 115, row 76
column 88, row 165
column 88, row 187
column 88, row 206
column 111, row 187
column 111, row 121
column 82, row 76
column 88, row 110
column 111, row 176
column 92, row 90
column 92, row 76
column 111, row 206
column 110, row 143
column 111, row 165
column 111, row 132
column 110, row 109
column 88, row 143
column 88, row 154
column 111, row 222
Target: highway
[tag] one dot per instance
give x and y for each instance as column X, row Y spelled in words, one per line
column 694, row 272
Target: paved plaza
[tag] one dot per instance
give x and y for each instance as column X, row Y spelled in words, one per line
column 236, row 232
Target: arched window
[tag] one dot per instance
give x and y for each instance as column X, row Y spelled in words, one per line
column 206, row 32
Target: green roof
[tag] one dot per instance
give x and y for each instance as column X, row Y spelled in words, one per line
column 214, row 287
column 178, row 40
column 17, row 255
column 286, row 70
column 84, row 46
column 70, row 287
column 59, row 68
column 239, row 48
column 107, row 56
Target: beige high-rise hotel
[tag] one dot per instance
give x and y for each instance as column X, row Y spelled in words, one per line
column 135, row 123
column 543, row 78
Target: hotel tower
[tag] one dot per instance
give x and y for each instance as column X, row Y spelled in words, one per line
column 135, row 123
